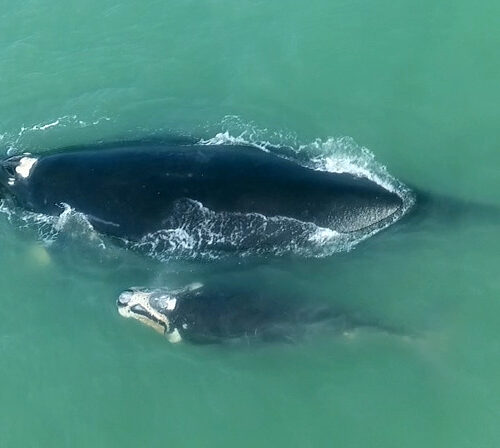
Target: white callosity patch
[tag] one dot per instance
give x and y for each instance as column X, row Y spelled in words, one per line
column 150, row 306
column 25, row 166
column 136, row 299
column 133, row 298
column 170, row 305
column 167, row 303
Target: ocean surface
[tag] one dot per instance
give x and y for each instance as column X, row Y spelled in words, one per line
column 407, row 92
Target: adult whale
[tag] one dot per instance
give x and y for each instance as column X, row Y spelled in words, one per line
column 129, row 190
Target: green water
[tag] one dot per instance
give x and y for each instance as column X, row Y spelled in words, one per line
column 415, row 82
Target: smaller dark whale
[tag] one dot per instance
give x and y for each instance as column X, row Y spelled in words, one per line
column 218, row 314
column 130, row 190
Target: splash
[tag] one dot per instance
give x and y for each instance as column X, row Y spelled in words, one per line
column 195, row 231
column 68, row 225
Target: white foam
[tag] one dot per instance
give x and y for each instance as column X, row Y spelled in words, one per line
column 336, row 155
column 323, row 236
column 68, row 224
column 44, row 127
column 195, row 231
column 224, row 138
column 5, row 209
column 16, row 141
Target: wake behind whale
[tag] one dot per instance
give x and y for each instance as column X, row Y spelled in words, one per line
column 171, row 200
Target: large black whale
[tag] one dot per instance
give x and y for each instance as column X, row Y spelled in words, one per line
column 129, row 190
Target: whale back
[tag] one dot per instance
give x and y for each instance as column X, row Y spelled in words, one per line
column 129, row 191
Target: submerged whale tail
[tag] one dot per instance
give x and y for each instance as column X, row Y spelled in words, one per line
column 448, row 211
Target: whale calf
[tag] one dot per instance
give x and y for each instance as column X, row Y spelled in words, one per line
column 129, row 190
column 215, row 314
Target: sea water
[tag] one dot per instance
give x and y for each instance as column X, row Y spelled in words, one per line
column 404, row 92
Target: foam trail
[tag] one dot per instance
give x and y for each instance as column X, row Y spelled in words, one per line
column 16, row 142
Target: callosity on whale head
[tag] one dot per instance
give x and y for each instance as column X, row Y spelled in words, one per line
column 154, row 307
column 14, row 170
column 16, row 167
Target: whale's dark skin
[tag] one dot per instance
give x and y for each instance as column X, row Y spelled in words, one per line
column 129, row 190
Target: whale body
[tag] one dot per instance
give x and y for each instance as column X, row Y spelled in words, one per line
column 217, row 314
column 129, row 190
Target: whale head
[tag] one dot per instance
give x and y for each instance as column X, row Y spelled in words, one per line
column 149, row 306
column 14, row 169
column 154, row 307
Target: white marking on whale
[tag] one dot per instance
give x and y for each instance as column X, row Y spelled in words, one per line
column 25, row 166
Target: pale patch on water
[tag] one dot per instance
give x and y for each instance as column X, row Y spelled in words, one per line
column 39, row 255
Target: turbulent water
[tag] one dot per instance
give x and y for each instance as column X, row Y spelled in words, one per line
column 340, row 87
